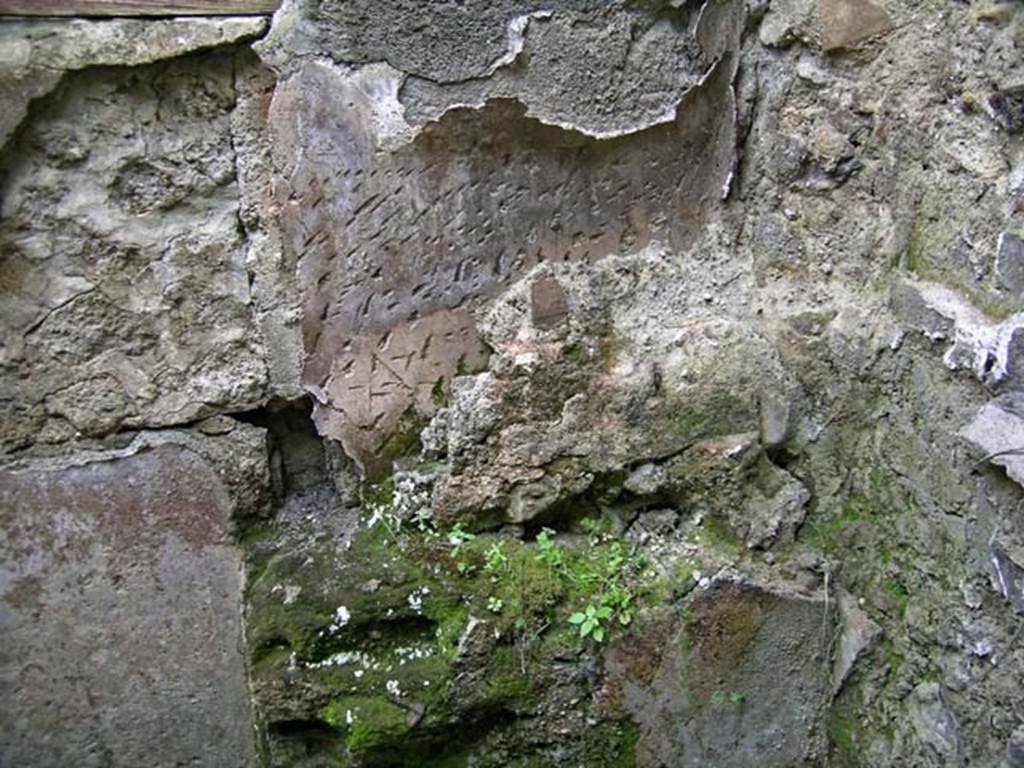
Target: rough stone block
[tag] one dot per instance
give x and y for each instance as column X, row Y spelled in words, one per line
column 120, row 609
column 741, row 681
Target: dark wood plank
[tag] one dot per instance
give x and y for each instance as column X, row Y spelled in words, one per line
column 137, row 7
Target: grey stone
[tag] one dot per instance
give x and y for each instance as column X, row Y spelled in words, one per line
column 1015, row 749
column 739, row 682
column 845, row 23
column 980, row 344
column 776, row 425
column 37, row 54
column 858, row 634
column 559, row 412
column 1010, row 262
column 933, row 722
column 787, row 22
column 120, row 588
column 272, row 269
column 629, row 69
column 601, row 68
column 654, row 525
column 646, row 480
column 127, row 297
column 396, row 316
column 731, row 477
column 998, row 432
column 1009, row 573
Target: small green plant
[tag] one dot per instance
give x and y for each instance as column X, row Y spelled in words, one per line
column 495, row 604
column 549, row 553
column 424, row 520
column 589, row 621
column 457, row 539
column 596, row 530
column 736, row 698
column 495, row 561
column 620, row 600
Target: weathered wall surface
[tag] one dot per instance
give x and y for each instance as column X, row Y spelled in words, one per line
column 130, row 303
column 612, row 383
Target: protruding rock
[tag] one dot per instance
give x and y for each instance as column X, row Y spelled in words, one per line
column 934, row 723
column 36, row 54
column 845, row 23
column 1010, row 262
column 998, row 431
column 786, row 22
column 743, row 679
column 1015, row 749
column 859, row 633
column 776, row 424
column 121, row 595
column 732, row 478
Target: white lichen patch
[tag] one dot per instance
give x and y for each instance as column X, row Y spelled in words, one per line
column 344, row 658
column 406, row 654
column 980, row 344
column 415, row 598
column 341, row 617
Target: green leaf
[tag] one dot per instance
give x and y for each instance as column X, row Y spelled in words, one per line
column 604, row 612
column 598, row 634
column 577, row 618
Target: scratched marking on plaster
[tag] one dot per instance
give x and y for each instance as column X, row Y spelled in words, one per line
column 401, row 247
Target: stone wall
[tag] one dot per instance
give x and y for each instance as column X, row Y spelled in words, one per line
column 515, row 383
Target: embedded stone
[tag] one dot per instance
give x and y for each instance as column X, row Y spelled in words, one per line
column 121, row 596
column 1010, row 262
column 548, row 307
column 845, row 23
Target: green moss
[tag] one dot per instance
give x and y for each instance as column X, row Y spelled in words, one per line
column 508, row 684
column 845, row 736
column 893, row 658
column 406, row 608
column 897, row 591
column 717, row 533
column 612, row 745
column 369, row 723
column 439, row 393
column 403, row 440
column 575, row 353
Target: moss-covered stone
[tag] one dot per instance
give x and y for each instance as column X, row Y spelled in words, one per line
column 412, row 637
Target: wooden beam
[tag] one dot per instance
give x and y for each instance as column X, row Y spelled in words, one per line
column 137, row 7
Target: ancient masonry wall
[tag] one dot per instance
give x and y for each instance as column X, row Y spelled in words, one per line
column 514, row 383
